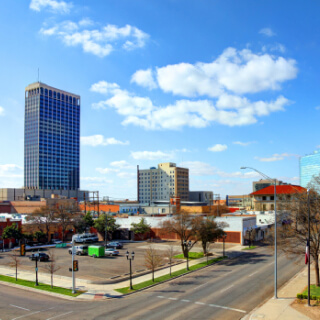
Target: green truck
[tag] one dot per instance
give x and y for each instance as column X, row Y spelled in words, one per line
column 96, row 251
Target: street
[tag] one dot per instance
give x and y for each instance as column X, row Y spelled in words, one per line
column 228, row 290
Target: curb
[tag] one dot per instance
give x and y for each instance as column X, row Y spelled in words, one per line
column 57, row 295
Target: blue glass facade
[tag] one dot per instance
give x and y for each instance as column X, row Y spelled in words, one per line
column 309, row 167
column 52, row 138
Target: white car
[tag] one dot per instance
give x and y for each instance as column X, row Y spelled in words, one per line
column 111, row 252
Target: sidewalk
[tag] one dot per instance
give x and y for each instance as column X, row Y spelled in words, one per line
column 105, row 291
column 280, row 309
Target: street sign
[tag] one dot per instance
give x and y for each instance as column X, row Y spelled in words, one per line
column 36, row 269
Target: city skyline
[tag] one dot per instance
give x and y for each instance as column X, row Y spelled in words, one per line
column 208, row 86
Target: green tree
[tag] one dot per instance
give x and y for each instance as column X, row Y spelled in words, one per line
column 141, row 228
column 12, row 232
column 103, row 221
column 208, row 232
column 89, row 222
column 39, row 235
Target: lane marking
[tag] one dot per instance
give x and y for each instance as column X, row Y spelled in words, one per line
column 253, row 274
column 27, row 315
column 199, row 286
column 203, row 304
column 227, row 308
column 59, row 315
column 227, row 288
column 12, row 305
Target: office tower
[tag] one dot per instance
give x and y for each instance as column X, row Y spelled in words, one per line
column 163, row 182
column 262, row 183
column 51, row 138
column 309, row 167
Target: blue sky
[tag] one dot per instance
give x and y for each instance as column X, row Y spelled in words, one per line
column 209, row 85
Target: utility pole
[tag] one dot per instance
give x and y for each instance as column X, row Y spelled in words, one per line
column 73, row 279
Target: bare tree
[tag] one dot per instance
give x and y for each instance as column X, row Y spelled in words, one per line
column 186, row 227
column 152, row 259
column 42, row 217
column 292, row 226
column 52, row 266
column 250, row 236
column 15, row 262
column 169, row 253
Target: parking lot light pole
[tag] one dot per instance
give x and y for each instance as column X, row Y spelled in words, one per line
column 37, row 257
column 187, row 245
column 130, row 259
column 275, row 227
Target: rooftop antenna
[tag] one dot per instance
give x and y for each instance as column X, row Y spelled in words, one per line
column 38, row 75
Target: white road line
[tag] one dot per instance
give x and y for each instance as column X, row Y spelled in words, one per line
column 184, row 300
column 227, row 308
column 253, row 274
column 202, row 303
column 12, row 305
column 27, row 315
column 59, row 315
column 227, row 288
column 199, row 286
column 173, row 298
column 161, row 297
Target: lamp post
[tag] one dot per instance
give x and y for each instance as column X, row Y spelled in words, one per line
column 106, row 230
column 308, row 244
column 187, row 245
column 37, row 258
column 130, row 259
column 275, row 226
column 223, row 239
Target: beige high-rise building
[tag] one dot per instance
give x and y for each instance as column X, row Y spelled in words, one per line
column 161, row 183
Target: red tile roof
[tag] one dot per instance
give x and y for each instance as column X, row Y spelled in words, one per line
column 281, row 189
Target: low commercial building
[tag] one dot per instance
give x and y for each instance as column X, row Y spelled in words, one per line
column 201, row 196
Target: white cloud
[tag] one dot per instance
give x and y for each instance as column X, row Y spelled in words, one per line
column 53, row 5
column 144, row 78
column 106, row 170
column 317, row 108
column 150, row 155
column 100, row 42
column 236, row 71
column 122, row 164
column 243, row 144
column 2, row 112
column 267, row 32
column 225, row 81
column 10, row 171
column 218, row 148
column 100, row 140
column 276, row 157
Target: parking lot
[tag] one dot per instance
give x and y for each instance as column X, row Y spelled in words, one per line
column 98, row 269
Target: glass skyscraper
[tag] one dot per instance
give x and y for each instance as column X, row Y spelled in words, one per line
column 309, row 167
column 51, row 138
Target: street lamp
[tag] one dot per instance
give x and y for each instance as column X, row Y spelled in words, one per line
column 187, row 245
column 130, row 259
column 223, row 239
column 275, row 226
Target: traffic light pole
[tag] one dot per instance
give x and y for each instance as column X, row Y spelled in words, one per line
column 73, row 279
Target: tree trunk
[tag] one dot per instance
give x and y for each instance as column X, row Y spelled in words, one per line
column 316, row 269
column 51, row 280
column 152, row 275
column 204, row 247
column 16, row 272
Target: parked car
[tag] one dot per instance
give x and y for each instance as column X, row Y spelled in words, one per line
column 114, row 244
column 111, row 252
column 40, row 256
column 85, row 238
column 56, row 241
column 79, row 250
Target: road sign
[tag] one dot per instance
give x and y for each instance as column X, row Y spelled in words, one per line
column 37, row 269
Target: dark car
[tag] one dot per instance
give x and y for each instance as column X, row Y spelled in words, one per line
column 114, row 244
column 40, row 256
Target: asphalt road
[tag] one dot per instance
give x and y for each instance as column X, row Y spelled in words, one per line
column 228, row 290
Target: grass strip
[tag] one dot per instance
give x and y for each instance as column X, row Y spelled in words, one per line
column 192, row 255
column 167, row 277
column 249, row 248
column 314, row 293
column 41, row 286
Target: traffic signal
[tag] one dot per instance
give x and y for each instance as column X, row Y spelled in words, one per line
column 75, row 265
column 22, row 249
